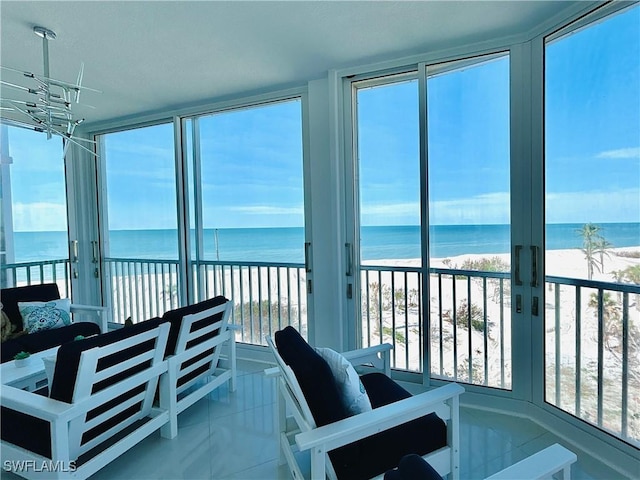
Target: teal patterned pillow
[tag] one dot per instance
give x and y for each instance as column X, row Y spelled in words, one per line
column 38, row 316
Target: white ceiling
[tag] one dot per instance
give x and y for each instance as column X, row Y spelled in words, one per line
column 147, row 56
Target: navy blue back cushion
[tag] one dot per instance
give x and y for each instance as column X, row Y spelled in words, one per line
column 39, row 341
column 68, row 357
column 314, row 376
column 175, row 318
column 30, row 293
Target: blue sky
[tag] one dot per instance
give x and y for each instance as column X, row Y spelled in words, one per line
column 252, row 158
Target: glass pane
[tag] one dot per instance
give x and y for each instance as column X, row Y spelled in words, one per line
column 469, row 215
column 390, row 238
column 592, row 178
column 140, row 229
column 253, row 216
column 33, row 221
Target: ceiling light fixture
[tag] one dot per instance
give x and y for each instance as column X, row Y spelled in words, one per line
column 45, row 104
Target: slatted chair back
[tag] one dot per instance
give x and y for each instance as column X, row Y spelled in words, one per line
column 116, row 384
column 199, row 344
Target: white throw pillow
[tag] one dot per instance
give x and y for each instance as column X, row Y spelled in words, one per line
column 38, row 316
column 354, row 396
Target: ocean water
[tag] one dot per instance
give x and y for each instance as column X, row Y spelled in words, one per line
column 287, row 244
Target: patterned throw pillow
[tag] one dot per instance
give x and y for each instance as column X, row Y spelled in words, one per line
column 38, row 316
column 354, row 396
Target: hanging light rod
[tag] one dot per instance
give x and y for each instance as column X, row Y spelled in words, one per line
column 46, row 104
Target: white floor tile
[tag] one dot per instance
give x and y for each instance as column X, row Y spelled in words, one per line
column 232, row 435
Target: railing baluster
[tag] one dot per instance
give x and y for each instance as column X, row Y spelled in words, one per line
column 578, row 349
column 455, row 328
column 556, row 337
column 441, row 318
column 470, row 329
column 486, row 331
column 625, row 365
column 600, row 353
column 502, row 320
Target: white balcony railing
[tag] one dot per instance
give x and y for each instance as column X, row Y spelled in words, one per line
column 592, row 329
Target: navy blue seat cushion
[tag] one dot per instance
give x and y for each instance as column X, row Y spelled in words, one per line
column 32, row 433
column 175, row 318
column 381, row 452
column 413, row 467
column 314, row 376
column 30, row 293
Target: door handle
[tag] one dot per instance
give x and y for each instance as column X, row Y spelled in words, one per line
column 535, row 251
column 518, row 280
column 74, row 251
column 94, row 250
column 307, row 256
column 349, row 248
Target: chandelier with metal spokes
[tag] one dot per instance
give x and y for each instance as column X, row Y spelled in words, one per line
column 44, row 104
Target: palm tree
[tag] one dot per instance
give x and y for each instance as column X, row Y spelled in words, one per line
column 590, row 234
column 601, row 246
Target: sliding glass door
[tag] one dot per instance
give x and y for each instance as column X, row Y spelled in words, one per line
column 453, row 226
column 247, row 214
column 592, row 211
column 468, row 176
column 140, row 261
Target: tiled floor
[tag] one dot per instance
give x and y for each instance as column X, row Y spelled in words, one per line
column 232, row 436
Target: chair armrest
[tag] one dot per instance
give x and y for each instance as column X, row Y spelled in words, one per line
column 364, row 425
column 378, row 355
column 542, row 464
column 272, row 372
column 36, row 405
column 101, row 312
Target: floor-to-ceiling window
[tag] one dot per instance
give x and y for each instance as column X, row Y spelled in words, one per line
column 466, row 193
column 592, row 215
column 139, row 222
column 583, row 306
column 247, row 214
column 389, row 253
column 34, row 244
column 468, row 175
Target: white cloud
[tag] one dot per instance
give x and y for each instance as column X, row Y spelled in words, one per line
column 596, row 206
column 268, row 210
column 39, row 217
column 392, row 209
column 630, row 153
column 488, row 208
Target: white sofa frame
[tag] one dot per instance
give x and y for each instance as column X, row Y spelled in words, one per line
column 176, row 398
column 298, row 432
column 69, row 423
column 98, row 314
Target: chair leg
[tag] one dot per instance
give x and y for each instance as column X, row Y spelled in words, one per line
column 232, row 359
column 169, row 402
